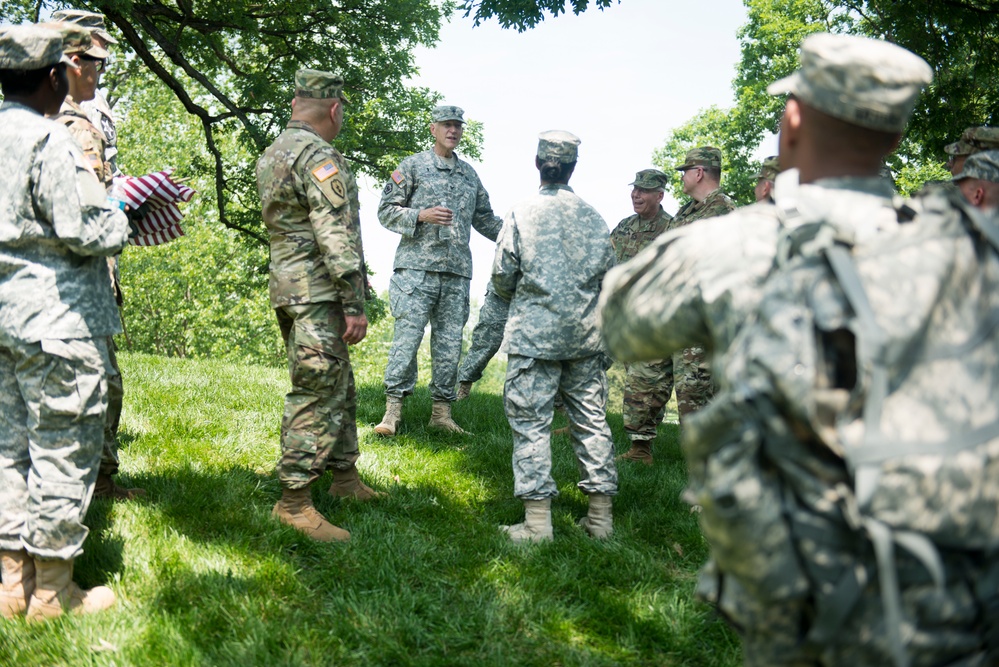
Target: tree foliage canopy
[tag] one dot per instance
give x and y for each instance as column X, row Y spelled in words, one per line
column 958, row 38
column 524, row 14
column 231, row 63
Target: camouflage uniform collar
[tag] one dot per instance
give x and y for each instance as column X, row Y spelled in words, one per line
column 441, row 163
column 873, row 185
column 554, row 186
column 10, row 104
column 71, row 107
column 301, row 125
column 714, row 194
column 654, row 220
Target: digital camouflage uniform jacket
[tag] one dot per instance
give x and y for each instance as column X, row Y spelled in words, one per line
column 715, row 204
column 56, row 228
column 551, row 258
column 423, row 181
column 308, row 200
column 697, row 284
column 632, row 234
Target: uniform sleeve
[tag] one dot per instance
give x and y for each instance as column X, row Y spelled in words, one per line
column 506, row 264
column 333, row 226
column 484, row 220
column 693, row 286
column 393, row 210
column 93, row 147
column 67, row 190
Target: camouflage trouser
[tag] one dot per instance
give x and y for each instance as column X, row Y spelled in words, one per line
column 487, row 336
column 529, row 395
column 53, row 396
column 647, row 388
column 319, row 428
column 418, row 298
column 116, row 390
column 694, row 386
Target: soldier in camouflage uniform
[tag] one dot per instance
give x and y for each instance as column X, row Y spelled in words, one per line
column 550, row 260
column 433, row 200
column 98, row 110
column 979, row 180
column 56, row 313
column 647, row 384
column 973, row 140
column 308, row 199
column 701, row 180
column 90, row 59
column 765, row 178
column 849, row 104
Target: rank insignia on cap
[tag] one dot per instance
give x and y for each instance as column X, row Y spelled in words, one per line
column 325, row 170
column 398, row 177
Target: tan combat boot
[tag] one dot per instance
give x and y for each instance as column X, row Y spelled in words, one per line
column 464, row 390
column 440, row 418
column 641, row 452
column 598, row 522
column 107, row 488
column 55, row 592
column 17, row 573
column 392, row 418
column 296, row 510
column 348, row 484
column 537, row 526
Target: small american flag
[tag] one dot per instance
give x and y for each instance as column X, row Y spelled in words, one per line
column 162, row 220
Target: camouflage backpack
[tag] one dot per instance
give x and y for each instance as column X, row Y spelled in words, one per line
column 855, row 438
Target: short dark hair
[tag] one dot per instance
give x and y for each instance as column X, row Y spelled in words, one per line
column 23, row 82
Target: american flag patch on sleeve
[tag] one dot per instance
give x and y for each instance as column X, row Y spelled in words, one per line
column 398, row 177
column 325, row 170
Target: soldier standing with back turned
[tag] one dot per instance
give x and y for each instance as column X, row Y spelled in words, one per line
column 317, row 290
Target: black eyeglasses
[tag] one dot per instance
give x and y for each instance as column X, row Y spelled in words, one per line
column 98, row 62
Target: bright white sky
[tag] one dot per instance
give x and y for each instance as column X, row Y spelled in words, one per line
column 620, row 79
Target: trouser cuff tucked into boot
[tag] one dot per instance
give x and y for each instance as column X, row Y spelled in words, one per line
column 537, row 526
column 441, row 419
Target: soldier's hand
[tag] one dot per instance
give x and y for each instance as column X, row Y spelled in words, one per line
column 357, row 328
column 438, row 215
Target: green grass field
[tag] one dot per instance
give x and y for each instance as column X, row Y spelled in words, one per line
column 204, row 576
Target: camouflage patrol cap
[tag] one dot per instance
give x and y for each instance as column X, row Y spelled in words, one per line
column 865, row 82
column 447, row 112
column 974, row 140
column 76, row 40
column 703, row 156
column 651, row 179
column 558, row 146
column 983, row 166
column 313, row 83
column 769, row 169
column 90, row 20
column 30, row 47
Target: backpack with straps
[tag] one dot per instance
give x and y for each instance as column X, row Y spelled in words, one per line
column 855, row 439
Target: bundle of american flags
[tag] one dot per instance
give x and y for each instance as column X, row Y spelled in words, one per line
column 158, row 195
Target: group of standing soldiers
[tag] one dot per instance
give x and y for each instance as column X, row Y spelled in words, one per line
column 681, row 292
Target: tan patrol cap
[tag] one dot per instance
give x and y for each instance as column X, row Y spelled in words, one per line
column 974, row 140
column 558, row 146
column 90, row 20
column 76, row 40
column 29, row 47
column 865, row 82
